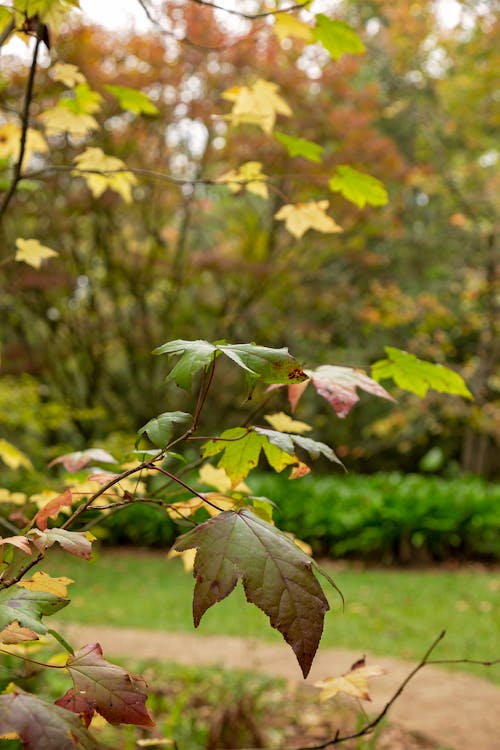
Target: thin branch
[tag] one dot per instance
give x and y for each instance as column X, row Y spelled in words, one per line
column 253, row 16
column 186, row 487
column 338, row 738
column 24, row 128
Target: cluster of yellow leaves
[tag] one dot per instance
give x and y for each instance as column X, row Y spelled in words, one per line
column 74, row 116
column 258, row 104
column 102, row 172
column 300, row 217
column 248, row 176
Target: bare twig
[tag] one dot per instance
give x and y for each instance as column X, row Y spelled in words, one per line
column 16, row 177
column 174, row 478
column 338, row 738
column 253, row 16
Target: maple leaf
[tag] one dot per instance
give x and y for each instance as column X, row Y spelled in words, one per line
column 33, row 252
column 73, row 462
column 59, row 119
column 338, row 386
column 270, row 365
column 277, row 576
column 288, row 442
column 102, row 172
column 418, row 375
column 354, row 682
column 337, row 37
column 53, row 508
column 358, row 187
column 241, row 449
column 117, row 695
column 300, row 217
column 14, row 633
column 78, row 703
column 12, row 456
column 41, row 725
column 78, row 543
column 28, row 607
column 21, row 542
column 43, row 582
column 286, row 25
column 258, row 104
column 160, row 429
column 282, row 422
column 10, row 142
column 249, row 177
column 68, row 74
column 300, row 147
column 218, row 478
column 132, row 100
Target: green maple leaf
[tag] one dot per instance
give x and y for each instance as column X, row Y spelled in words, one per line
column 41, row 725
column 241, row 449
column 28, row 607
column 114, row 693
column 337, row 37
column 134, row 101
column 277, row 576
column 358, row 187
column 418, row 375
column 258, row 362
column 159, row 430
column 300, row 147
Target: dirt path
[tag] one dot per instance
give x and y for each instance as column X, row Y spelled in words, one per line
column 454, row 710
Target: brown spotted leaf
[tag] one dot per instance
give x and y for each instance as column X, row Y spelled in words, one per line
column 15, row 633
column 277, row 576
column 117, row 695
column 41, row 725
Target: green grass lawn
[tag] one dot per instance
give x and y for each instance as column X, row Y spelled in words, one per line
column 387, row 612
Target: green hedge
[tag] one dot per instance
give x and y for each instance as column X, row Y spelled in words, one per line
column 382, row 517
column 390, row 517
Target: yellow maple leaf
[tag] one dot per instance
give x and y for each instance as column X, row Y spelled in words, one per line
column 105, row 172
column 354, row 682
column 68, row 74
column 12, row 456
column 187, row 557
column 286, row 25
column 209, row 474
column 249, row 177
column 187, row 508
column 42, row 498
column 10, row 142
column 60, row 119
column 258, row 104
column 283, row 423
column 43, row 582
column 300, row 217
column 33, row 252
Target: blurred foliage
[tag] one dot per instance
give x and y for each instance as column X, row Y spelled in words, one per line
column 382, row 518
column 420, row 273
